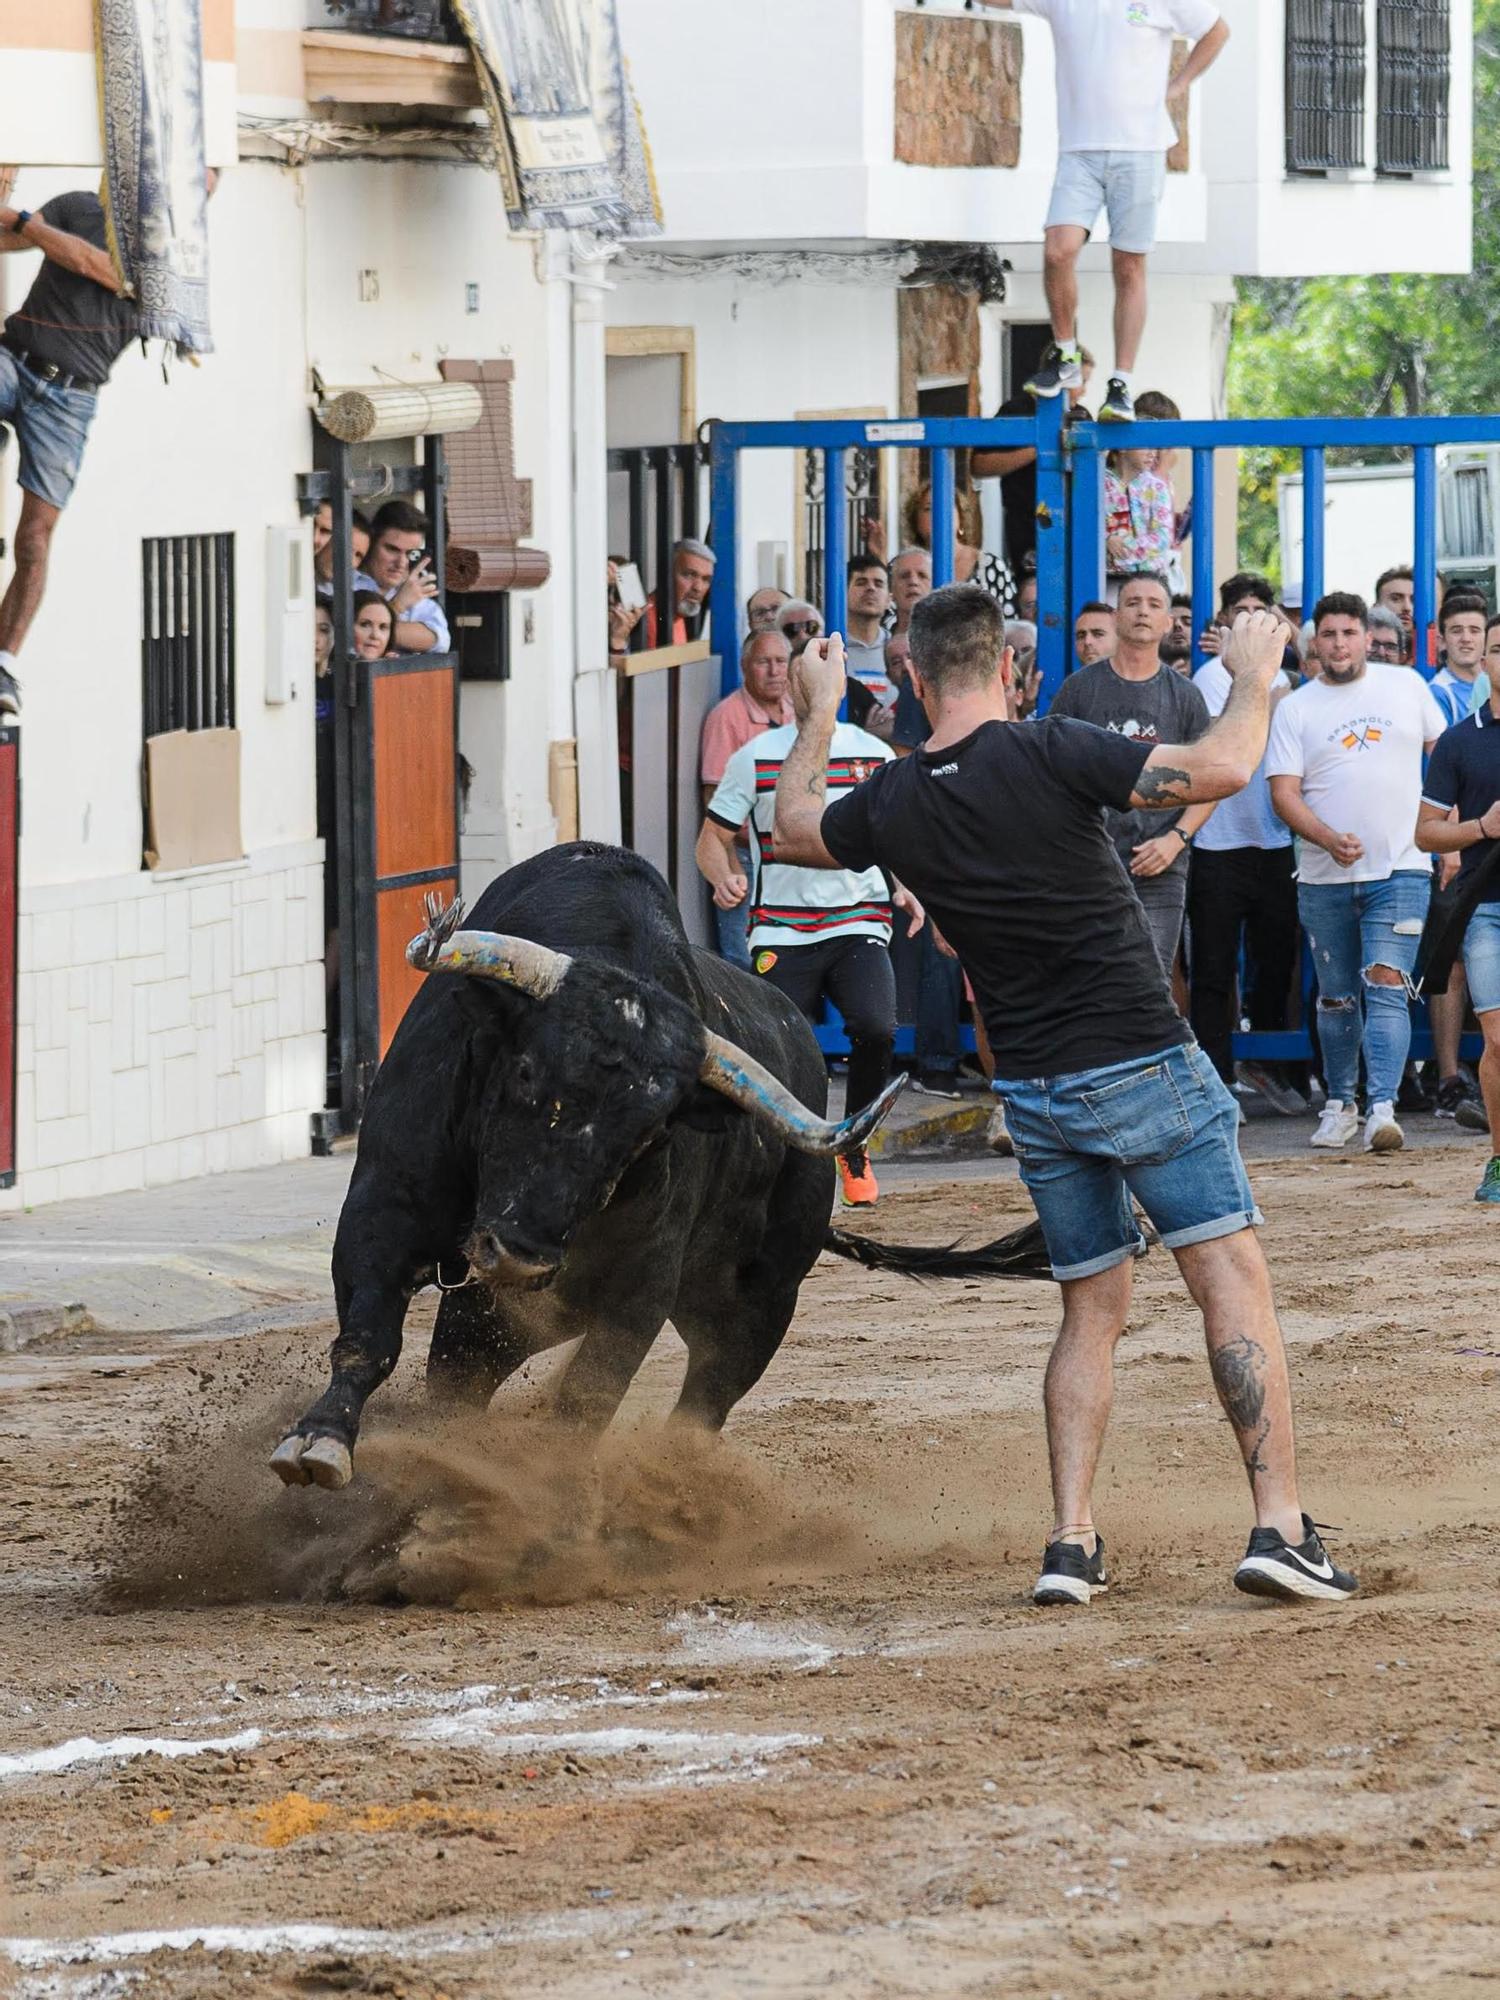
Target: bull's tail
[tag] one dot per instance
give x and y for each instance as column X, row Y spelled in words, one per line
column 1022, row 1254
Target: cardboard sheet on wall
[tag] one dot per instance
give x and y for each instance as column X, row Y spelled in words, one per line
column 193, row 798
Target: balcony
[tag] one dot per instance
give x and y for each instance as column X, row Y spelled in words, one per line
column 405, row 53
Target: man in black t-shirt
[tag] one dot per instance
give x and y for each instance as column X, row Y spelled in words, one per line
column 55, row 355
column 1000, row 830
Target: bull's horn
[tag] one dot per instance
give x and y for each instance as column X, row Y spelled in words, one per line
column 531, row 968
column 751, row 1085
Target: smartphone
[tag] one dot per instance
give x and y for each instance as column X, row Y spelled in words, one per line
column 416, row 556
column 632, row 592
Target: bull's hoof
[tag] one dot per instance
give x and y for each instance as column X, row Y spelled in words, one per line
column 318, row 1461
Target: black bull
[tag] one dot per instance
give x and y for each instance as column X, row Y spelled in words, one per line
column 603, row 1128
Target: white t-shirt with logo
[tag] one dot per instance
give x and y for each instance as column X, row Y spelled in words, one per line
column 1358, row 751
column 1113, row 60
column 792, row 905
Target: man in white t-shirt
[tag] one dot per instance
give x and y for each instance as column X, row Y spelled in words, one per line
column 1114, row 126
column 1345, row 764
column 815, row 933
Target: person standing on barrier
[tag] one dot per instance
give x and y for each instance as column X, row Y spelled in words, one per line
column 1001, row 829
column 1115, row 99
column 816, row 934
column 1345, row 765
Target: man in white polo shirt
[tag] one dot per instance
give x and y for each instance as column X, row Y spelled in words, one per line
column 1345, row 764
column 1114, row 126
column 815, row 933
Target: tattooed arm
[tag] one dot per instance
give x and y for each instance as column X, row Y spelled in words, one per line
column 817, row 689
column 1223, row 760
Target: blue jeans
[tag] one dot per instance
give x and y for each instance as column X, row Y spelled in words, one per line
column 1161, row 1127
column 51, row 427
column 732, row 934
column 1482, row 957
column 940, row 992
column 1351, row 928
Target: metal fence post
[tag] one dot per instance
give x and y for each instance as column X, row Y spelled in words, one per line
column 1052, row 595
column 835, row 541
column 1424, row 551
column 1203, row 545
column 724, row 592
column 941, row 460
column 1313, row 523
column 1085, row 538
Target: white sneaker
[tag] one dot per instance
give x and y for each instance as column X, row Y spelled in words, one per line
column 1382, row 1133
column 1337, row 1126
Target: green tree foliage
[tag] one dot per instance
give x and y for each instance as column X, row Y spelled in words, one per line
column 1401, row 345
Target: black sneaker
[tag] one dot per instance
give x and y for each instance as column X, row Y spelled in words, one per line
column 1273, row 1568
column 1069, row 1574
column 1414, row 1094
column 1055, row 372
column 1451, row 1093
column 1118, row 406
column 937, row 1083
column 10, row 694
column 1469, row 1114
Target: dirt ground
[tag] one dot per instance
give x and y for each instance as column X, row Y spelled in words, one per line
column 773, row 1717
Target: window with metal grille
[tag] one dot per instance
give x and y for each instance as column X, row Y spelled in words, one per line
column 1325, row 85
column 187, row 632
column 1411, row 80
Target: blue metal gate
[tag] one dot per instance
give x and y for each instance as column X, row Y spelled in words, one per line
column 1070, row 525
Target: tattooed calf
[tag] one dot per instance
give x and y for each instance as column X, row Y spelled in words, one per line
column 1237, row 1368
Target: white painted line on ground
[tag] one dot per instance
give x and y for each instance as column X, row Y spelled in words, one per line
column 89, row 1750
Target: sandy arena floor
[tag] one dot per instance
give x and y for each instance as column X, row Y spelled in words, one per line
column 774, row 1717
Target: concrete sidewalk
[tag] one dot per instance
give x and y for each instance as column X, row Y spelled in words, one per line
column 246, row 1247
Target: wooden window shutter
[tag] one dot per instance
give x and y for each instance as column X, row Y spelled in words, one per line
column 489, row 509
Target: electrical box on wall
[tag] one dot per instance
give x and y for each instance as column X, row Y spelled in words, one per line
column 481, row 633
column 289, row 599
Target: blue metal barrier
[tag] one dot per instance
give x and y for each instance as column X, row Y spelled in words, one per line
column 1070, row 523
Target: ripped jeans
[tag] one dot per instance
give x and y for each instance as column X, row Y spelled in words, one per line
column 1352, row 927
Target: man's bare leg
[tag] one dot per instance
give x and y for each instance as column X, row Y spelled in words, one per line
column 1060, row 249
column 1446, row 1013
column 1077, row 1394
column 1130, row 306
column 1489, row 1073
column 23, row 598
column 1231, row 1286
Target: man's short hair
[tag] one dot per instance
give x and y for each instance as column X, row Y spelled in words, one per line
column 1340, row 604
column 957, row 636
column 1383, row 616
column 1246, row 583
column 1458, row 601
column 800, row 607
column 752, row 639
column 402, row 517
column 1402, row 573
column 1147, row 576
column 1490, row 623
column 690, row 546
column 1095, row 605
column 857, row 565
column 357, row 519
column 1181, row 601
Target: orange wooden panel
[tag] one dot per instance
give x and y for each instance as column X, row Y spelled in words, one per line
column 69, row 24
column 415, row 820
column 398, row 918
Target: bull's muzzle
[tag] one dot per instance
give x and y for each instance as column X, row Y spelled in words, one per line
column 500, row 1263
column 538, row 970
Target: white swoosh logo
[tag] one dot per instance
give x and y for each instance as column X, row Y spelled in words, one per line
column 1323, row 1570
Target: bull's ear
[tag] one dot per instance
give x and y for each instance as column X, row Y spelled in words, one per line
column 705, row 1110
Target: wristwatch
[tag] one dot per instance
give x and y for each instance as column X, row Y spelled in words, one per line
column 1185, row 838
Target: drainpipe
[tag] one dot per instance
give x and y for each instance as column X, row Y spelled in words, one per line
column 594, row 714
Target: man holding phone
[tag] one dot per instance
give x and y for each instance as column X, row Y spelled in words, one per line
column 400, row 568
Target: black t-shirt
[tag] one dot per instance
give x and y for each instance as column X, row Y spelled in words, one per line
column 1002, row 836
column 68, row 320
column 1464, row 771
column 1165, row 709
column 1018, row 490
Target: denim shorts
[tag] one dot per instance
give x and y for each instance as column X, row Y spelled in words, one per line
column 1127, row 186
column 1162, row 1128
column 1482, row 958
column 51, row 427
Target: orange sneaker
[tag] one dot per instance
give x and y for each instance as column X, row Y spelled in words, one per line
column 857, row 1181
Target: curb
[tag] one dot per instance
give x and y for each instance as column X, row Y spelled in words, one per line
column 23, row 1322
column 937, row 1128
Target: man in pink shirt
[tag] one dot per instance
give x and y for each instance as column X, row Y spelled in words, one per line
column 763, row 702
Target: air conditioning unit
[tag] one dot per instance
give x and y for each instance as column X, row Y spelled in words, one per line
column 289, row 602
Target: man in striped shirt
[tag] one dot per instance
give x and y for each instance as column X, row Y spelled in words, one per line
column 816, row 933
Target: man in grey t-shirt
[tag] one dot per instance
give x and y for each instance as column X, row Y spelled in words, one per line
column 1134, row 694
